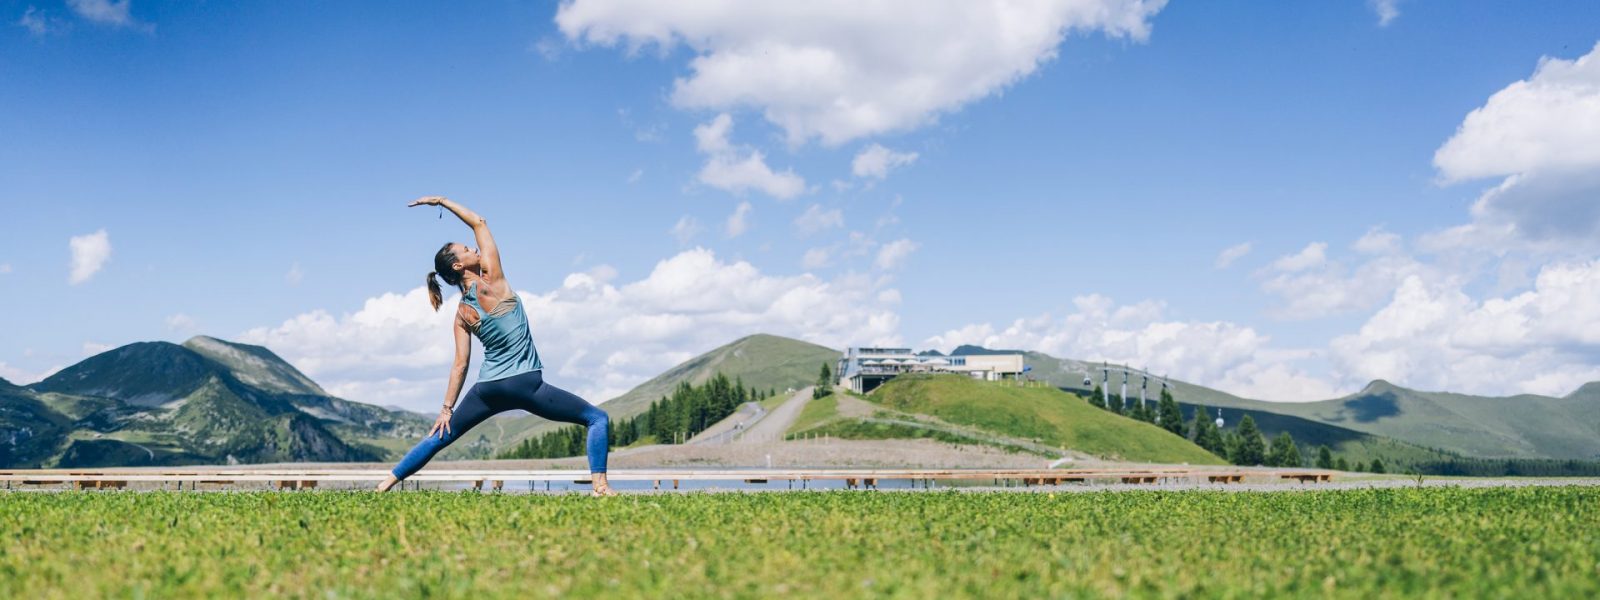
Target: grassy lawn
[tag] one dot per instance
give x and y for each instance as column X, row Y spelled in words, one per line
column 816, row 412
column 1527, row 543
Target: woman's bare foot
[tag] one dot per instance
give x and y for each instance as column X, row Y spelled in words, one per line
column 602, row 488
column 388, row 482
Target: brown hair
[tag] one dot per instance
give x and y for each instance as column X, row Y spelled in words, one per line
column 444, row 268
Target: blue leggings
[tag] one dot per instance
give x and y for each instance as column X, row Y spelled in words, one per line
column 526, row 391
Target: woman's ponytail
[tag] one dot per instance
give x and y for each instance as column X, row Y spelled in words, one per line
column 444, row 268
column 434, row 295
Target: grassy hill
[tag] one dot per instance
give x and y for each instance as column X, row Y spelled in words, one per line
column 1414, row 424
column 1046, row 415
column 762, row 361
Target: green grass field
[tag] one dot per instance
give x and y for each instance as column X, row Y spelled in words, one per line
column 1527, row 542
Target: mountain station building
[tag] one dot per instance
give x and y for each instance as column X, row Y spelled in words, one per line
column 864, row 369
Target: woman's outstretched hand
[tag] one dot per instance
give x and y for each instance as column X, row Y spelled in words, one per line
column 427, row 201
column 441, row 425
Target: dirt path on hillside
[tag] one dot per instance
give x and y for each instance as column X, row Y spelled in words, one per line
column 724, row 431
column 772, row 427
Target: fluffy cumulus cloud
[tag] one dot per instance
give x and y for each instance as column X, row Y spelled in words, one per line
column 1435, row 336
column 875, row 161
column 89, row 253
column 1310, row 285
column 597, row 337
column 737, row 169
column 1539, row 135
column 1221, row 355
column 838, row 70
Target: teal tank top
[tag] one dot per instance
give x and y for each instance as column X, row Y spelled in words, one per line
column 507, row 345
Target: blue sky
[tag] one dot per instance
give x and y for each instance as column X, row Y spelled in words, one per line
column 249, row 163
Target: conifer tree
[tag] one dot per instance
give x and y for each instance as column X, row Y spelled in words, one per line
column 1252, row 448
column 1171, row 414
column 1341, row 464
column 1324, row 458
column 1284, row 452
column 824, row 383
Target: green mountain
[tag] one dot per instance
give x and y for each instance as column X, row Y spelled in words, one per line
column 1392, row 420
column 1046, row 416
column 204, row 402
column 1522, row 426
column 761, row 361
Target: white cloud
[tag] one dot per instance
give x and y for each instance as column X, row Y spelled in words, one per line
column 816, row 258
column 36, row 23
column 686, row 229
column 1435, row 336
column 738, row 170
column 1232, row 253
column 89, row 253
column 295, row 275
column 635, row 175
column 597, row 338
column 817, row 219
column 1313, row 255
column 892, row 254
column 836, row 70
column 23, row 376
column 1377, row 241
column 93, row 348
column 739, row 221
column 1312, row 286
column 1218, row 354
column 180, row 323
column 1387, row 10
column 876, row 161
column 1539, row 134
column 1548, row 122
column 108, row 12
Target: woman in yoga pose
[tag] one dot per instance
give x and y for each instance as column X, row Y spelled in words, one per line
column 511, row 376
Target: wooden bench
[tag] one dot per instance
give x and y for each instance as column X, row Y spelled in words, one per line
column 868, row 482
column 495, row 484
column 296, row 484
column 1309, row 477
column 1139, row 479
column 99, row 484
column 1228, row 478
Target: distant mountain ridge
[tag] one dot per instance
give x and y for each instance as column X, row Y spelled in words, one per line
column 205, row 401
column 1429, row 423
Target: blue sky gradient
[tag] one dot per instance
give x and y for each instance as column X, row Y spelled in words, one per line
column 223, row 145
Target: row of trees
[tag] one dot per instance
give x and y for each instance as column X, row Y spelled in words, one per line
column 671, row 420
column 1245, row 445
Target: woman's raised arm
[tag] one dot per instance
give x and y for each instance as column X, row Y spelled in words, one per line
column 487, row 250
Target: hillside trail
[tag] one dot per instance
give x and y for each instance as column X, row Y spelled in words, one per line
column 776, row 422
column 725, row 430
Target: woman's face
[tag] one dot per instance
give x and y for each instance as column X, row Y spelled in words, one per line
column 466, row 257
